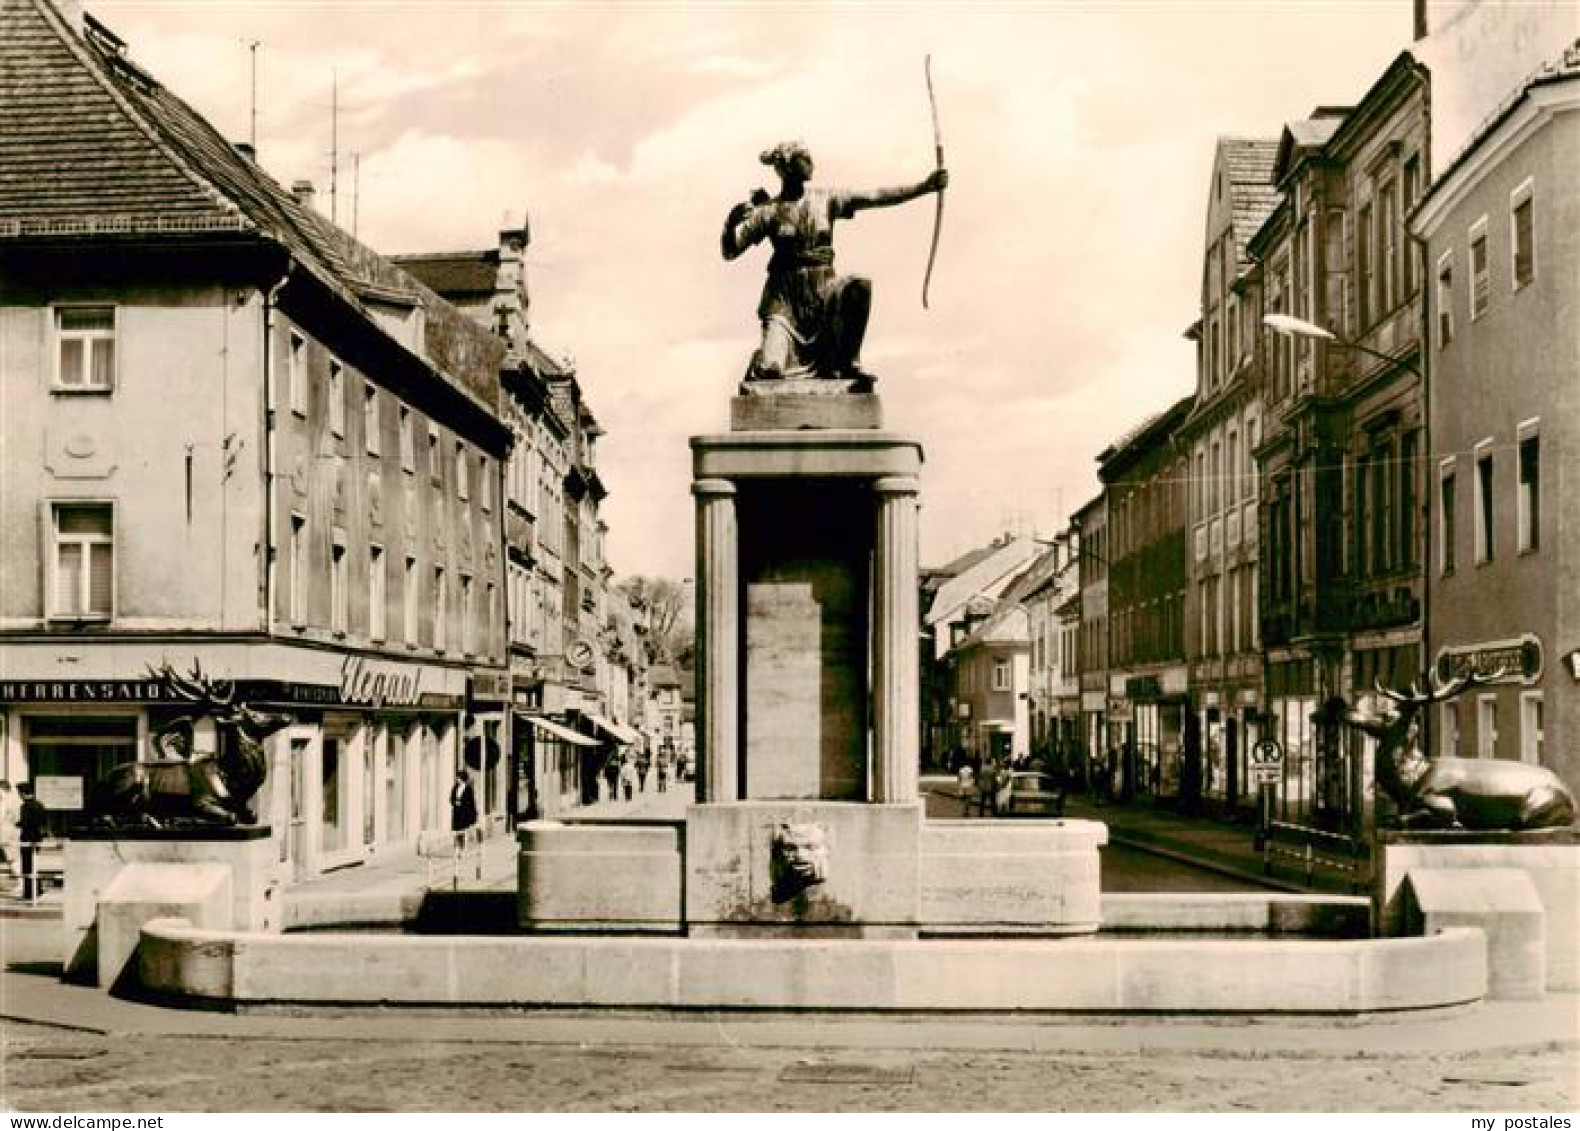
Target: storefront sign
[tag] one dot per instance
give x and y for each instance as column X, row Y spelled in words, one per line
column 365, row 682
column 58, row 793
column 1515, row 661
column 84, row 691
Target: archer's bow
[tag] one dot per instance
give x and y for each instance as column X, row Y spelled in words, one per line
column 938, row 152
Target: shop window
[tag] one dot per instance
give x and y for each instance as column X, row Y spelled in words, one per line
column 373, row 741
column 1450, row 721
column 69, row 755
column 84, row 349
column 332, row 796
column 82, row 561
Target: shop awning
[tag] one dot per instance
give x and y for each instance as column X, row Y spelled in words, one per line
column 564, row 734
column 617, row 731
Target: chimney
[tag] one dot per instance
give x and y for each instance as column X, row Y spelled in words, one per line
column 303, row 192
column 246, row 150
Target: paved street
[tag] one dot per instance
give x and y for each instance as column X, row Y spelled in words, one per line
column 603, row 1063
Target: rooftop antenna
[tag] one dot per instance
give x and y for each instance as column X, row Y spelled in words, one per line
column 334, row 147
column 356, row 188
column 252, row 133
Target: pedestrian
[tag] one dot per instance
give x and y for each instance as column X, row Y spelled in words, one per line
column 30, row 822
column 644, row 763
column 463, row 807
column 661, row 767
column 611, row 776
column 10, row 830
column 628, row 778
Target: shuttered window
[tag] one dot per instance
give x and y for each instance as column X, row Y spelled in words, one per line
column 84, row 561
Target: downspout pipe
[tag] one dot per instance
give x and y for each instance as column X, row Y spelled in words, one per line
column 267, row 542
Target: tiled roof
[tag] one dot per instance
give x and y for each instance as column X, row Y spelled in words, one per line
column 1009, row 625
column 1252, row 192
column 74, row 155
column 91, row 143
column 455, row 274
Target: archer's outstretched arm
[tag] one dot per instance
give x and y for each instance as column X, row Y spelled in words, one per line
column 885, row 198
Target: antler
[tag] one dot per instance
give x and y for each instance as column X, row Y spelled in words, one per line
column 1438, row 691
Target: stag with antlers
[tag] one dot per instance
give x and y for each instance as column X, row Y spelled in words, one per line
column 1469, row 793
column 177, row 789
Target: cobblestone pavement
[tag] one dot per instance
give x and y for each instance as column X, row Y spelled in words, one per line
column 47, row 1069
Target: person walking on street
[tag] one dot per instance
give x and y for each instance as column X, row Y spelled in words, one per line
column 628, row 778
column 463, row 807
column 30, row 821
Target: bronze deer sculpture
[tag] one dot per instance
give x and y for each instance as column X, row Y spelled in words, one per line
column 1468, row 793
column 177, row 789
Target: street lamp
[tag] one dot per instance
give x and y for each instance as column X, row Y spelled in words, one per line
column 1291, row 327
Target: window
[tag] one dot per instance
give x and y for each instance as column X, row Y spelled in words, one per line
column 490, row 618
column 83, row 561
column 370, row 418
column 1388, row 248
column 338, row 599
column 298, row 594
column 1445, row 300
column 1522, row 234
column 1405, row 551
column 1445, row 517
column 440, row 599
column 1486, row 726
column 377, row 589
column 296, row 373
column 1530, row 508
column 408, row 441
column 1484, row 501
column 1412, row 193
column 435, row 468
column 1480, row 276
column 1232, row 470
column 1531, row 727
column 485, row 484
column 409, row 601
column 468, row 617
column 337, row 398
column 1001, row 675
column 85, row 349
column 1363, row 271
column 462, row 488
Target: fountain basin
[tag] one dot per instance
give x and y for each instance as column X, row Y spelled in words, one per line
column 1085, row 974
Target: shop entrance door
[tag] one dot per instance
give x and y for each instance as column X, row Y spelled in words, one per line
column 296, row 831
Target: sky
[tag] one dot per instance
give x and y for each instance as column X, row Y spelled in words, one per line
column 1079, row 139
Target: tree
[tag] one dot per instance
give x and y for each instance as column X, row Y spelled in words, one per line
column 665, row 606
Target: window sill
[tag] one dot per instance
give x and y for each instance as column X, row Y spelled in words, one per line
column 78, row 620
column 83, row 390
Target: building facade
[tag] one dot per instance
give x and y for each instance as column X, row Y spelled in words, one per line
column 1144, row 482
column 1501, row 232
column 240, row 441
column 1223, row 430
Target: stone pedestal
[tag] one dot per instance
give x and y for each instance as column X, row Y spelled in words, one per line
column 1550, row 858
column 806, row 611
column 94, row 860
